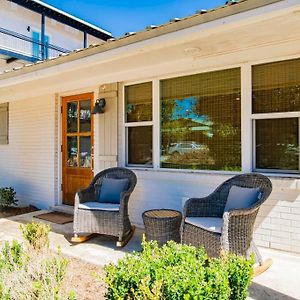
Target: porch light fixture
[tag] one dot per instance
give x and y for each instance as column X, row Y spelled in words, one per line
column 99, row 106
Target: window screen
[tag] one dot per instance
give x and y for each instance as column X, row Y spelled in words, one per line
column 277, row 144
column 201, row 121
column 139, row 145
column 276, row 87
column 138, row 109
column 138, row 102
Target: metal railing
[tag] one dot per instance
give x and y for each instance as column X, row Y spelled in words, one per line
column 25, row 46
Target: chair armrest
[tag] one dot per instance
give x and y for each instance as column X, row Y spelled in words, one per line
column 238, row 227
column 202, row 207
column 124, row 198
column 85, row 195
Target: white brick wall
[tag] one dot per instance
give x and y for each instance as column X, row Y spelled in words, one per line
column 27, row 163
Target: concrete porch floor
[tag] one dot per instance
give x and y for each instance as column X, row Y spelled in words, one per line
column 280, row 282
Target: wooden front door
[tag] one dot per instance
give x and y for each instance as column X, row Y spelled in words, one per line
column 77, row 144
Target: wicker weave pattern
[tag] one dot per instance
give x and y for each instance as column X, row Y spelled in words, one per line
column 238, row 226
column 104, row 222
column 162, row 225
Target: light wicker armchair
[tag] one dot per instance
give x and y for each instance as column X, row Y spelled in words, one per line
column 109, row 221
column 235, row 227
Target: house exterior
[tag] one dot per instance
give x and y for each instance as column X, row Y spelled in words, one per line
column 188, row 105
column 33, row 30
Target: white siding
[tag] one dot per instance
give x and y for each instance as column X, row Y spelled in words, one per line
column 28, row 162
column 106, row 129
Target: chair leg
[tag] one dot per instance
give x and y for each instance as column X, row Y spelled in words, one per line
column 80, row 239
column 123, row 241
column 262, row 265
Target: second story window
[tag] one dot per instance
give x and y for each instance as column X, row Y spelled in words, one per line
column 37, row 47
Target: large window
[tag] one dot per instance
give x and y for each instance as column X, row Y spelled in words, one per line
column 276, row 89
column 138, row 123
column 201, row 121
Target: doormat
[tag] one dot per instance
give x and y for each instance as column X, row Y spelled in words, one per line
column 56, row 217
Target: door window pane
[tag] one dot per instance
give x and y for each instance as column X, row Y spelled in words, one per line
column 85, row 152
column 276, row 87
column 140, row 145
column 72, row 151
column 138, row 102
column 72, row 114
column 85, row 116
column 201, row 121
column 277, row 144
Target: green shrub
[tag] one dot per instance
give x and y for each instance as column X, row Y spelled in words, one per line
column 12, row 256
column 175, row 272
column 240, row 273
column 36, row 235
column 7, row 197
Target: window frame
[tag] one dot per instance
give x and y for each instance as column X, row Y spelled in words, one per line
column 268, row 116
column 247, row 120
column 127, row 125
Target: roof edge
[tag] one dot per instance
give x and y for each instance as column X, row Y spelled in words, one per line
column 191, row 21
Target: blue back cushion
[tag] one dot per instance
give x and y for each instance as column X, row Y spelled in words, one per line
column 240, row 197
column 111, row 190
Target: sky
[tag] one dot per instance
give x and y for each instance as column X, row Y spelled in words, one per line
column 120, row 17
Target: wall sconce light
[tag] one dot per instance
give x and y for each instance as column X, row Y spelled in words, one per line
column 99, row 106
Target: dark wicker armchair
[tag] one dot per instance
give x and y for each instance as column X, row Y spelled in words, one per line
column 110, row 220
column 234, row 230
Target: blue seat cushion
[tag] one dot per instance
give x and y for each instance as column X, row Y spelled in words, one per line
column 241, row 197
column 111, row 189
column 207, row 223
column 99, row 206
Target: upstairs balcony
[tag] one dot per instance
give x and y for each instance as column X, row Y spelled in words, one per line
column 15, row 46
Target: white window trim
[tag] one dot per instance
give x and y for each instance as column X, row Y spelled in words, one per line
column 269, row 116
column 127, row 125
column 247, row 121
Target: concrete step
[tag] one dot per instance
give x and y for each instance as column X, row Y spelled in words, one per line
column 63, row 208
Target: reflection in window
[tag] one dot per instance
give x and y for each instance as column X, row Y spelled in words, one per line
column 276, row 87
column 140, row 145
column 277, row 144
column 85, row 152
column 72, row 114
column 201, row 121
column 72, row 160
column 138, row 102
column 85, row 116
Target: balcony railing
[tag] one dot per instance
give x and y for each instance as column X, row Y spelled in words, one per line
column 27, row 48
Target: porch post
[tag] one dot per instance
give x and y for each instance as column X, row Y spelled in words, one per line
column 246, row 122
column 43, row 35
column 85, row 40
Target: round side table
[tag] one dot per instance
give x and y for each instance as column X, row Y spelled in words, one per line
column 162, row 225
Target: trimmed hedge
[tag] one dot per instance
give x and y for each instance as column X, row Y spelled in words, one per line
column 175, row 272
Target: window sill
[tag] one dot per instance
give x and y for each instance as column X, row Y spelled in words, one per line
column 210, row 172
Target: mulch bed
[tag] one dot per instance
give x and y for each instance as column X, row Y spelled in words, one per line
column 86, row 280
column 15, row 211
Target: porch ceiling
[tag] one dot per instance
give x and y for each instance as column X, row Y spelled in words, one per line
column 208, row 49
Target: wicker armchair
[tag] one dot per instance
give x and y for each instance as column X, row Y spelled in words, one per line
column 113, row 221
column 236, row 226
